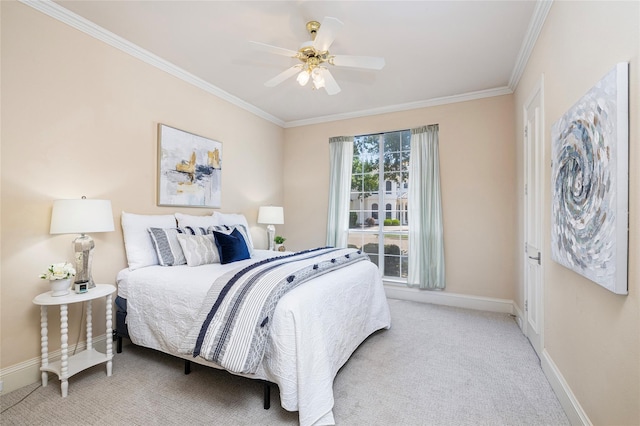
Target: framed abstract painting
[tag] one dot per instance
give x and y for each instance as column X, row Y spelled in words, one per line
column 590, row 183
column 189, row 169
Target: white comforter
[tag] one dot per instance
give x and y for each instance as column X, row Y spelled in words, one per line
column 315, row 329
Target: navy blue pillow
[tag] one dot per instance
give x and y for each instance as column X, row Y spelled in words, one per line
column 232, row 247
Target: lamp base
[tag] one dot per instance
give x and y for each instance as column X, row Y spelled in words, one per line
column 83, row 251
column 271, row 234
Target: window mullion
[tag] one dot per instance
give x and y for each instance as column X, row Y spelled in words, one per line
column 381, row 203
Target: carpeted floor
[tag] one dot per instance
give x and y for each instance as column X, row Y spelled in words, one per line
column 436, row 366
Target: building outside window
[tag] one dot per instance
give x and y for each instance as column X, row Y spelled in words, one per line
column 379, row 186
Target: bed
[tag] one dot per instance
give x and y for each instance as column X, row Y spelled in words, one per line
column 314, row 328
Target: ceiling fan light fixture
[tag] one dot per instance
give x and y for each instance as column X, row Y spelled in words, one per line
column 316, row 60
column 303, row 77
column 318, row 79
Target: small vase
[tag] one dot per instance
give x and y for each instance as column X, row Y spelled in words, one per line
column 60, row 287
column 280, row 247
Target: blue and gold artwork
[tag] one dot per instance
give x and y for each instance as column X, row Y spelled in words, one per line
column 189, row 169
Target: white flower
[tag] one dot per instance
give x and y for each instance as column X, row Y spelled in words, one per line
column 59, row 271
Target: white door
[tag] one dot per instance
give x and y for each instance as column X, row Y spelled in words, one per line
column 533, row 200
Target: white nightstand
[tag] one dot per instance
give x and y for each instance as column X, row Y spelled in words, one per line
column 68, row 366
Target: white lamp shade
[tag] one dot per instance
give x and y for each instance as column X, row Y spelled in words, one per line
column 81, row 216
column 271, row 215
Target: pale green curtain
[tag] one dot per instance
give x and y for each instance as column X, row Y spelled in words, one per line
column 426, row 243
column 341, row 156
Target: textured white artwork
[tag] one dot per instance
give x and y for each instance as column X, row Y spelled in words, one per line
column 590, row 149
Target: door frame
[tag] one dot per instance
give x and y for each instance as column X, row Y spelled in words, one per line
column 537, row 91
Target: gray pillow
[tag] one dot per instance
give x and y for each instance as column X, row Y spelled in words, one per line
column 199, row 249
column 168, row 249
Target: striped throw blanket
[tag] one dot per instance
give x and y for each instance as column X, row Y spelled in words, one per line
column 232, row 326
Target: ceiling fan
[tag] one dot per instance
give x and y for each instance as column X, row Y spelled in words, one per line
column 315, row 57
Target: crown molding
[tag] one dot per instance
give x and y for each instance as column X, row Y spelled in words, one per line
column 58, row 12
column 535, row 27
column 403, row 107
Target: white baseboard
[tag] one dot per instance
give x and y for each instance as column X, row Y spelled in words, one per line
column 520, row 319
column 567, row 399
column 28, row 372
column 449, row 299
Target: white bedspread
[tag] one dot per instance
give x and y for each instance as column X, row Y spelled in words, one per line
column 316, row 327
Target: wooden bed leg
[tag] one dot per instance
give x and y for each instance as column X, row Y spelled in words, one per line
column 187, row 366
column 119, row 344
column 267, row 396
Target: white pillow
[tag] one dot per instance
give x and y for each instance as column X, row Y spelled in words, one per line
column 137, row 242
column 199, row 249
column 192, row 221
column 235, row 219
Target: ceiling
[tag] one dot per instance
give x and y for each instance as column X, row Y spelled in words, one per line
column 435, row 51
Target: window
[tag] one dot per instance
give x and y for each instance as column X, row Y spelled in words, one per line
column 379, row 187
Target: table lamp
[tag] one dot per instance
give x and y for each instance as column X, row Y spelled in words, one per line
column 271, row 215
column 82, row 216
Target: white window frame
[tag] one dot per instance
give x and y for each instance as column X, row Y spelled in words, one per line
column 397, row 210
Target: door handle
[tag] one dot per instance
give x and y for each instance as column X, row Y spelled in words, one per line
column 536, row 258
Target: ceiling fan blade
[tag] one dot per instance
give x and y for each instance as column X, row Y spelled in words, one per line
column 367, row 62
column 289, row 72
column 274, row 49
column 327, row 33
column 330, row 84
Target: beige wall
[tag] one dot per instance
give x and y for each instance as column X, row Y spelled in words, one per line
column 477, row 166
column 591, row 334
column 79, row 118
